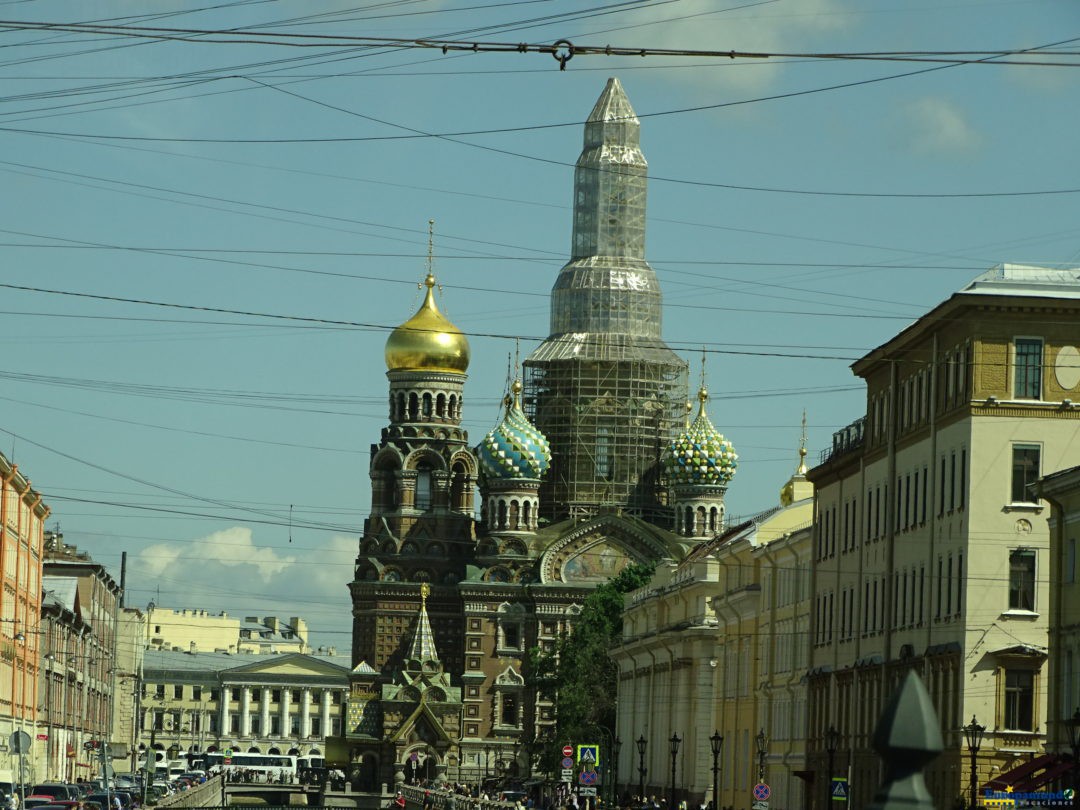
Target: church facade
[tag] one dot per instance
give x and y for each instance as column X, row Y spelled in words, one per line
column 474, row 554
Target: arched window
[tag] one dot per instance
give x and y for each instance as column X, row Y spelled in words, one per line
column 714, row 516
column 414, row 406
column 427, row 406
column 500, row 522
column 688, row 521
column 460, row 500
column 514, row 516
column 454, row 407
column 699, row 527
column 440, row 405
column 527, row 514
column 400, row 407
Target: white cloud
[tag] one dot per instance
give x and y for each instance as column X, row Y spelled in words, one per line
column 935, row 125
column 705, row 25
column 222, row 552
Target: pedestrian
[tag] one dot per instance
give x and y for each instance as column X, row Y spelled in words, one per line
column 400, row 800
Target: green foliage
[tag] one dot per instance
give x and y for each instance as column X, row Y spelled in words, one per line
column 580, row 676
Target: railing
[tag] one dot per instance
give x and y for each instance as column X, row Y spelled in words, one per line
column 208, row 794
column 845, row 440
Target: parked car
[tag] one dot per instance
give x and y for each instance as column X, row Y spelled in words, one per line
column 56, row 789
column 33, row 801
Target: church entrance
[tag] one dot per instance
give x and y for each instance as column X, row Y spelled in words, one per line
column 420, row 766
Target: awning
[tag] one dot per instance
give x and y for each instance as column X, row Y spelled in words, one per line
column 1023, row 774
column 1047, row 777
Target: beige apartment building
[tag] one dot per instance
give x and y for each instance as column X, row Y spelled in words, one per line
column 201, row 631
column 931, row 548
column 718, row 644
column 1062, row 491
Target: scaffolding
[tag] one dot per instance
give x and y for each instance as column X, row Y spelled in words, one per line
column 608, row 421
column 604, row 388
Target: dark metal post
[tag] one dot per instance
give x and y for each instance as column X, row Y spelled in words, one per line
column 973, row 733
column 641, row 745
column 674, row 741
column 616, row 747
column 832, row 742
column 717, row 743
column 762, row 752
column 1073, row 725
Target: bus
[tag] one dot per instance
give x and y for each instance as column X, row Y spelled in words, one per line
column 263, row 767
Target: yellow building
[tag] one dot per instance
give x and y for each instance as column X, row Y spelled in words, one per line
column 1062, row 491
column 202, row 631
column 717, row 644
column 931, row 548
column 22, row 519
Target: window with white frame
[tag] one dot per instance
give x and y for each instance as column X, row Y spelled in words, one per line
column 1022, row 579
column 1019, row 703
column 1025, row 472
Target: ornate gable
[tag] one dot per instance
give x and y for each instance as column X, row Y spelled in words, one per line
column 594, row 552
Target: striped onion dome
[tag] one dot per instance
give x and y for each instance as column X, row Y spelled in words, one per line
column 700, row 455
column 515, row 449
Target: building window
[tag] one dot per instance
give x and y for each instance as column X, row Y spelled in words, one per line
column 215, row 695
column 178, row 691
column 159, row 691
column 1019, row 699
column 1027, row 379
column 509, row 710
column 511, row 636
column 275, row 695
column 255, row 730
column 234, row 724
column 1022, row 580
column 1025, row 472
column 235, row 694
column 196, row 693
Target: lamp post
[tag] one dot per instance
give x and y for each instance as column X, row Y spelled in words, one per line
column 832, row 742
column 973, row 734
column 716, row 742
column 674, row 742
column 762, row 752
column 641, row 744
column 1073, row 724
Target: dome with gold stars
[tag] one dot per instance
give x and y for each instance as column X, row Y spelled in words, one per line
column 515, row 449
column 700, row 455
column 428, row 341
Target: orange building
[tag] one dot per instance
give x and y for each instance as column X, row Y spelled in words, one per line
column 22, row 519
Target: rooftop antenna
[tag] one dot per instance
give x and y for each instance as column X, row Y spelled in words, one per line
column 290, row 522
column 802, row 447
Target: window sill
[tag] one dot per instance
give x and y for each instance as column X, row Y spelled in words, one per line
column 1034, row 508
column 1015, row 613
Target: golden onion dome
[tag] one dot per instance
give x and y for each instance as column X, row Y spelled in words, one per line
column 428, row 341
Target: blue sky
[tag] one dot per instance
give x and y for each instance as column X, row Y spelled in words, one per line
column 801, row 211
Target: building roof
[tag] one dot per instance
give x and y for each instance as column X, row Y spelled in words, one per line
column 1027, row 280
column 178, row 661
column 61, row 591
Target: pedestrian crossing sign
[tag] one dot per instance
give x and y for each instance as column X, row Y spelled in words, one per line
column 588, row 755
column 839, row 789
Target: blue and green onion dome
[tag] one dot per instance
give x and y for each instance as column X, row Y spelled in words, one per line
column 700, row 455
column 515, row 449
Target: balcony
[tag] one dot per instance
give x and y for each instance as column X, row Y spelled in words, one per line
column 845, row 440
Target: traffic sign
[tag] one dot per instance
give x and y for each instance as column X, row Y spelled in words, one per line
column 568, row 750
column 228, row 752
column 568, row 762
column 90, row 745
column 567, row 775
column 587, row 791
column 20, row 742
column 839, row 789
column 587, row 777
column 762, row 792
column 588, row 754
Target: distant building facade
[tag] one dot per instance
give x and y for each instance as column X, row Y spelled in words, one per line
column 282, row 703
column 932, row 550
column 202, row 631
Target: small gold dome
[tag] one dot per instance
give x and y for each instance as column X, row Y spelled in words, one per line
column 427, row 341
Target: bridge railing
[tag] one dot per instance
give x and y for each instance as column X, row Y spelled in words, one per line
column 208, row 794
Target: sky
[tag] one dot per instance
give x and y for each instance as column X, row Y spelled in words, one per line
column 212, row 214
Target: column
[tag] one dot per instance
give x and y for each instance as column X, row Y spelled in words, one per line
column 245, row 711
column 264, row 712
column 286, row 729
column 223, row 714
column 326, row 693
column 305, row 712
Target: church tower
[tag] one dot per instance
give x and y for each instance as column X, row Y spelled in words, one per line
column 423, row 475
column 604, row 387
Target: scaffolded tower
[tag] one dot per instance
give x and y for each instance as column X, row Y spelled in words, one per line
column 604, row 387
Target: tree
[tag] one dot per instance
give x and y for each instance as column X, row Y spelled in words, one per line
column 579, row 676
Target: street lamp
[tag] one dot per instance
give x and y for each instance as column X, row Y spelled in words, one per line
column 1073, row 724
column 487, row 760
column 716, row 741
column 973, row 734
column 641, row 744
column 762, row 752
column 832, row 742
column 674, row 743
